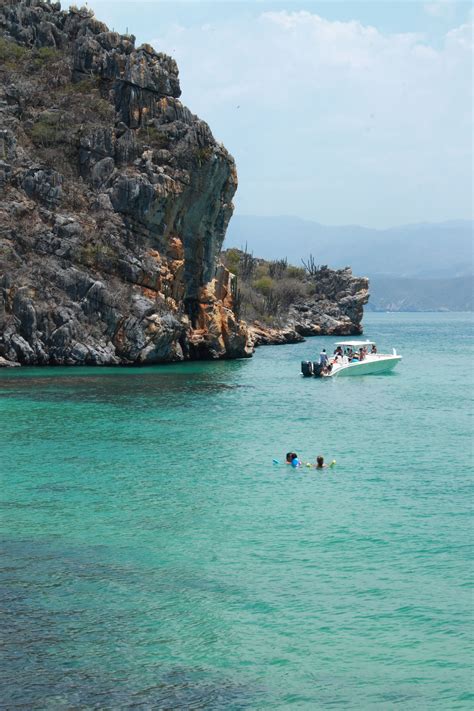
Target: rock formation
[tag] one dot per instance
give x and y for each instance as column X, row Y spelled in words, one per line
column 114, row 201
column 335, row 308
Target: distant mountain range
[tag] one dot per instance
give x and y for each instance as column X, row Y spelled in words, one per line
column 392, row 294
column 422, row 267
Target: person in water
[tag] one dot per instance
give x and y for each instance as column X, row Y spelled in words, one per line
column 295, row 462
column 320, row 463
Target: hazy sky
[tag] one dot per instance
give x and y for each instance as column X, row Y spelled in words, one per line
column 341, row 112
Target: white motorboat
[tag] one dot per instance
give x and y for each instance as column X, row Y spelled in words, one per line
column 357, row 358
column 353, row 358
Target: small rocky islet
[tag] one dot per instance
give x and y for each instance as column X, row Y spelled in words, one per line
column 114, row 204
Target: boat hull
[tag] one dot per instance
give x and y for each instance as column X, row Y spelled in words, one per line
column 367, row 367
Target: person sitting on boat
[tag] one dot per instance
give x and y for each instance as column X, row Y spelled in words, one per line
column 353, row 357
column 326, row 370
column 374, row 349
column 338, row 351
column 323, row 358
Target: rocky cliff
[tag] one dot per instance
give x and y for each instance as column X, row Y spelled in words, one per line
column 284, row 303
column 114, row 201
column 333, row 307
column 336, row 305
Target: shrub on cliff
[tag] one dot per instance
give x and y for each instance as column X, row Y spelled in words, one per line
column 45, row 132
column 266, row 289
column 45, row 55
column 265, row 285
column 277, row 269
column 10, row 52
column 293, row 272
column 289, row 291
column 232, row 260
column 203, row 154
column 85, row 86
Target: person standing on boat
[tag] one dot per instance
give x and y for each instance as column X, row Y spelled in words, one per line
column 323, row 358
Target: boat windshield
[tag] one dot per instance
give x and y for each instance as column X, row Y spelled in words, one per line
column 355, row 345
column 354, row 350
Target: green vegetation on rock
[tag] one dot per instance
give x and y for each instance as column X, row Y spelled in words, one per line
column 154, row 137
column 45, row 132
column 267, row 289
column 85, row 86
column 10, row 52
column 44, row 55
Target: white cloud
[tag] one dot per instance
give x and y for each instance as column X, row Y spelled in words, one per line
column 355, row 114
column 462, row 37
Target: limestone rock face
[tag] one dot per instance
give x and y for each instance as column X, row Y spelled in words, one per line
column 337, row 306
column 114, row 201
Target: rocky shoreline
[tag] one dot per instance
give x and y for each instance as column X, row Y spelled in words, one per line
column 114, row 204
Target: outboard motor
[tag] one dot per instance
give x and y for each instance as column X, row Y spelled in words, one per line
column 306, row 368
column 317, row 368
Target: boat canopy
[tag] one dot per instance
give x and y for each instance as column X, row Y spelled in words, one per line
column 355, row 344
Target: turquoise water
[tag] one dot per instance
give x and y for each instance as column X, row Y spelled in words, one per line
column 154, row 557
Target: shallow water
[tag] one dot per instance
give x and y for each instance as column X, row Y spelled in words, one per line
column 154, row 557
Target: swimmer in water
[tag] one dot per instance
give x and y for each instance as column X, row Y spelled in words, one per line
column 320, row 463
column 295, row 462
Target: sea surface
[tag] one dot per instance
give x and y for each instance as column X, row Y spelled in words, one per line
column 154, row 557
